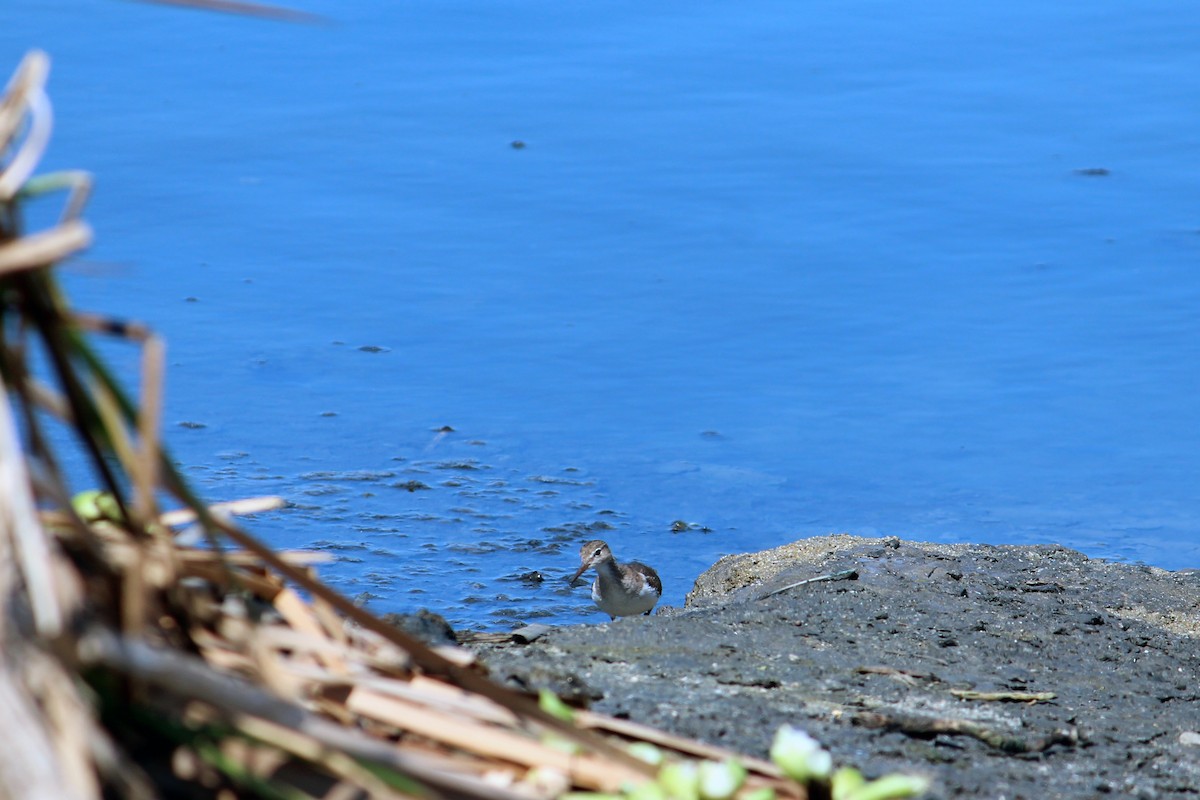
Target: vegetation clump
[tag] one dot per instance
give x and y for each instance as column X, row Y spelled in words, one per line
column 136, row 664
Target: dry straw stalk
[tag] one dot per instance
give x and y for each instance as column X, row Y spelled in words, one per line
column 134, row 665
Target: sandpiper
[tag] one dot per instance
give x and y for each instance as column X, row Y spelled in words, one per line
column 621, row 590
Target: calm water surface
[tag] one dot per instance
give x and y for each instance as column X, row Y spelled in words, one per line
column 770, row 269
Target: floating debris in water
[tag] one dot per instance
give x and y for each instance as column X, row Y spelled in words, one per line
column 463, row 465
column 347, row 475
column 564, row 481
column 680, row 526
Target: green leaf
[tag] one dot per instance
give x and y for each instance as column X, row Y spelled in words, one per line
column 892, row 787
column 720, row 779
column 646, row 752
column 681, row 781
column 800, row 756
column 553, row 705
column 845, row 782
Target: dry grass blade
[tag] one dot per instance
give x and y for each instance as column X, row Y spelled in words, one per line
column 644, row 733
column 19, row 523
column 68, row 714
column 25, row 99
column 33, row 762
column 188, row 677
column 30, row 74
column 27, row 766
column 249, row 505
column 309, row 749
column 263, row 10
column 42, row 249
column 145, row 479
column 464, row 732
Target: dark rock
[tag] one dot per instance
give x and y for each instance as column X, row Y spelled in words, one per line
column 425, row 625
column 867, row 666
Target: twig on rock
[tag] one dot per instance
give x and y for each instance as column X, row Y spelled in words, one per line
column 1011, row 697
column 844, row 575
column 905, row 676
column 923, row 726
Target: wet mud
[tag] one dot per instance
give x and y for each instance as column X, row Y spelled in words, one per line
column 1002, row 672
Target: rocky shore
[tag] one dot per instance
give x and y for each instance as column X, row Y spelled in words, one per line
column 1001, row 672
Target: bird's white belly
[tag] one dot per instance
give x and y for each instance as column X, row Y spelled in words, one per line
column 623, row 604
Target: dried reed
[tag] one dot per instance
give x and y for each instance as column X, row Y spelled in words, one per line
column 134, row 666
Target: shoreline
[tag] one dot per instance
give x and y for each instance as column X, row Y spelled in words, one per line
column 1000, row 671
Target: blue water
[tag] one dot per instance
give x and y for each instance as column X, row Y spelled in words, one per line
column 771, row 269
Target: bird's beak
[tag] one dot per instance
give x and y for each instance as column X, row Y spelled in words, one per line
column 582, row 568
